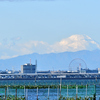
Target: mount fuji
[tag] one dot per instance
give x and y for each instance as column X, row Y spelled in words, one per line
column 59, row 55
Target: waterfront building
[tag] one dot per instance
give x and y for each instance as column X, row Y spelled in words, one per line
column 44, row 71
column 28, row 68
column 92, row 71
column 98, row 70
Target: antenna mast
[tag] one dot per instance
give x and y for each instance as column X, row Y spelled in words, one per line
column 36, row 66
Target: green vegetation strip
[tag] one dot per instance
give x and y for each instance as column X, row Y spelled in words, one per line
column 60, row 98
column 42, row 86
column 12, row 98
column 80, row 98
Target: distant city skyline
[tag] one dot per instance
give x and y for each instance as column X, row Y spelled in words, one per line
column 46, row 26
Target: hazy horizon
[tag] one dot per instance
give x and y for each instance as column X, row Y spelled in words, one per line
column 46, row 26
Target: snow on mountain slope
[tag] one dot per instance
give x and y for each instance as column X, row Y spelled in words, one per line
column 71, row 44
column 75, row 43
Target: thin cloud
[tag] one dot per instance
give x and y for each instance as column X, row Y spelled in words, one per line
column 16, row 38
column 72, row 43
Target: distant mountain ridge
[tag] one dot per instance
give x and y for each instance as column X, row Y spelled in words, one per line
column 72, row 44
column 53, row 61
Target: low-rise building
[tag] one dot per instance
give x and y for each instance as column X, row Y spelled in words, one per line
column 28, row 68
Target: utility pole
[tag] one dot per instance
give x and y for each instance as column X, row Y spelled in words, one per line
column 67, row 91
column 60, row 86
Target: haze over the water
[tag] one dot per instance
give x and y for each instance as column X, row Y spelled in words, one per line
column 45, row 26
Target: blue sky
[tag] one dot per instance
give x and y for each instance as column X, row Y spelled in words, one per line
column 22, row 22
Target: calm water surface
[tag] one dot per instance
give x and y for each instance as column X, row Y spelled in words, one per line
column 53, row 94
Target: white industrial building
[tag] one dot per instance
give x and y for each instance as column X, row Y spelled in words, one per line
column 28, row 68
